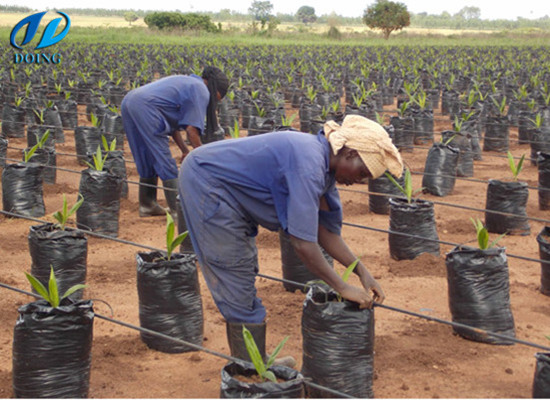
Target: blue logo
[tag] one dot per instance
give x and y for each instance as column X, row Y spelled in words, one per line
column 48, row 38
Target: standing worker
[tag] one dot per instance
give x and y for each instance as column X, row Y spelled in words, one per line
column 279, row 180
column 159, row 109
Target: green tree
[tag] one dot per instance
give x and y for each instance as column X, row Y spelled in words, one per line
column 388, row 16
column 306, row 14
column 469, row 13
column 261, row 11
column 130, row 16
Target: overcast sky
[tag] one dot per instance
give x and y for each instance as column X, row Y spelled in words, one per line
column 490, row 9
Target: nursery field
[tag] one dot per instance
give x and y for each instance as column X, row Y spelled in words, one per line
column 413, row 357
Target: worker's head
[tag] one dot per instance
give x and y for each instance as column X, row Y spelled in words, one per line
column 361, row 149
column 217, row 83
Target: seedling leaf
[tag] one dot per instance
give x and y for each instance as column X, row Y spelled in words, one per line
column 494, row 242
column 253, row 352
column 54, row 294
column 73, row 289
column 276, row 352
column 38, row 286
column 349, row 270
column 179, row 240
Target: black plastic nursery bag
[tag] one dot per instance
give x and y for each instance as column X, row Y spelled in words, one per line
column 232, row 388
column 338, row 343
column 22, row 189
column 440, row 170
column 169, row 300
column 479, row 293
column 52, row 350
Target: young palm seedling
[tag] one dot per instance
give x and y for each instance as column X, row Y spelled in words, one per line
column 106, row 146
column 99, row 160
column 171, row 242
column 515, row 168
column 63, row 216
column 501, row 107
column 40, row 144
column 407, row 189
column 483, row 235
column 235, row 132
column 51, row 295
column 261, row 368
column 287, row 121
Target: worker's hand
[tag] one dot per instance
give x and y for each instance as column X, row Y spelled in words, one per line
column 183, row 155
column 370, row 284
column 357, row 295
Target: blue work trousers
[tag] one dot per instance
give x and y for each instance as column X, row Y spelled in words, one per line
column 147, row 132
column 224, row 241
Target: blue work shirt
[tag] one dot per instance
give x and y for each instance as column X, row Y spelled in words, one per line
column 181, row 99
column 277, row 179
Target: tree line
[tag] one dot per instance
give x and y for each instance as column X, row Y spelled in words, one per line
column 466, row 18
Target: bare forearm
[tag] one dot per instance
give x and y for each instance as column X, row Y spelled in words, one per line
column 335, row 246
column 180, row 142
column 194, row 136
column 313, row 259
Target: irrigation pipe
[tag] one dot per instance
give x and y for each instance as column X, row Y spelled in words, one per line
column 340, row 189
column 101, row 236
column 441, row 203
column 306, row 380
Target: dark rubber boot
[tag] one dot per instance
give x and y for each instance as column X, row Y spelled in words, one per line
column 258, row 331
column 148, row 206
column 171, row 195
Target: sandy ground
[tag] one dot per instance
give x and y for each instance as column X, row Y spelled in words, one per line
column 414, row 358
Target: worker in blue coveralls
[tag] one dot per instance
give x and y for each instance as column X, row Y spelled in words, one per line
column 159, row 109
column 279, row 180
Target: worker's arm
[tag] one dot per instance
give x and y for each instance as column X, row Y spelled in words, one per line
column 339, row 250
column 193, row 136
column 311, row 256
column 335, row 246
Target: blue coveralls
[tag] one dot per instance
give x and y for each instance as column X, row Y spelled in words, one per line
column 228, row 188
column 153, row 112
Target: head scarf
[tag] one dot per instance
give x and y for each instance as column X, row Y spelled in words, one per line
column 216, row 82
column 370, row 140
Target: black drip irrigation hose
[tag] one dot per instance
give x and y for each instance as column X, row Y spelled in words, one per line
column 101, row 236
column 72, row 171
column 370, row 228
column 427, row 317
column 539, row 188
column 442, row 203
column 64, row 154
column 306, row 380
column 340, row 189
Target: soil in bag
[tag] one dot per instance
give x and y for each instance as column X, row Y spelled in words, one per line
column 330, row 360
column 479, row 293
column 22, row 189
column 541, row 381
column 3, row 151
column 64, row 250
column 544, row 253
column 291, row 386
column 416, row 218
column 440, row 170
column 52, row 350
column 461, row 141
column 169, row 300
column 543, row 163
column 508, row 197
column 100, row 210
column 13, row 121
